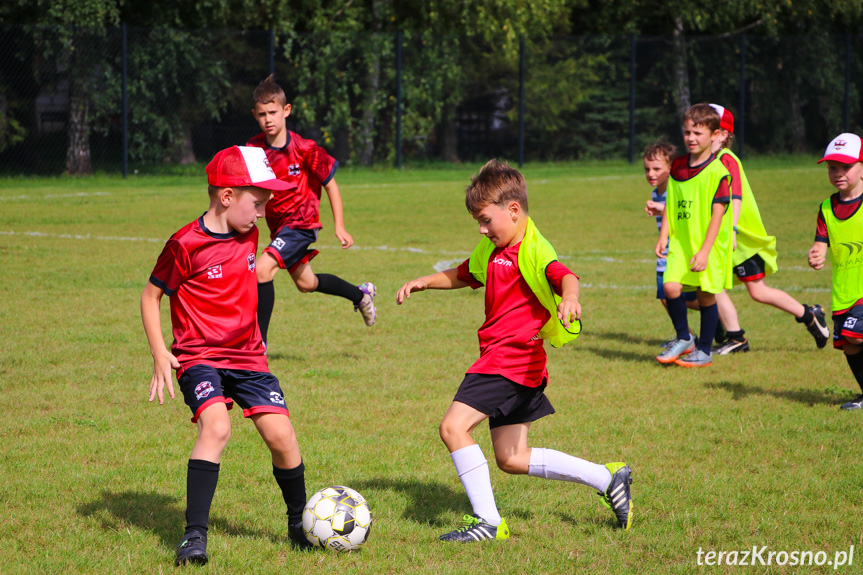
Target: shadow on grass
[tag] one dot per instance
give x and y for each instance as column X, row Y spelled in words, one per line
column 629, row 338
column 428, row 500
column 809, row 397
column 594, row 520
column 159, row 514
column 623, row 355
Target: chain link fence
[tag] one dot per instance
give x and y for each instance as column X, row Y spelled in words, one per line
column 127, row 99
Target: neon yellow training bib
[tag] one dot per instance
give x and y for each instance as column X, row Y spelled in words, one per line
column 846, row 253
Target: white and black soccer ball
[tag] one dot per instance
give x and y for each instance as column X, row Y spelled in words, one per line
column 337, row 518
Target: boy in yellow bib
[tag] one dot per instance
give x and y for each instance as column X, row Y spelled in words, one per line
column 754, row 255
column 840, row 232
column 697, row 229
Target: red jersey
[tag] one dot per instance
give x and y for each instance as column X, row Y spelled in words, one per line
column 508, row 339
column 310, row 167
column 211, row 281
column 734, row 169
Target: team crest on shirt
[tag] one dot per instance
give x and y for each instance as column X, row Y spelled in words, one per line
column 294, row 170
column 203, row 389
column 251, row 260
column 214, row 272
column 276, row 397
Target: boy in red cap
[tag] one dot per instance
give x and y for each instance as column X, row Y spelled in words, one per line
column 839, row 230
column 207, row 269
column 293, row 216
column 754, row 255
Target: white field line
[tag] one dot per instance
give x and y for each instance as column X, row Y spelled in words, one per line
column 54, row 196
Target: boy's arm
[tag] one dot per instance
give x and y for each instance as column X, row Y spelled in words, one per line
column 163, row 360
column 654, row 208
column 817, row 255
column 335, row 198
column 447, row 279
column 663, row 236
column 698, row 263
column 569, row 307
column 735, row 217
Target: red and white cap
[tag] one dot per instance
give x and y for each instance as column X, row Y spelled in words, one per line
column 726, row 120
column 845, row 148
column 240, row 166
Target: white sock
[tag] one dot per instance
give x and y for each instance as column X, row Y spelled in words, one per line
column 472, row 469
column 551, row 464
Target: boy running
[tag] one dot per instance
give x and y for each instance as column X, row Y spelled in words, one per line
column 207, row 269
column 698, row 235
column 754, row 256
column 529, row 297
column 292, row 216
column 840, row 231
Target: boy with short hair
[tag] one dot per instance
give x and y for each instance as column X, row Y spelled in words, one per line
column 697, row 231
column 839, row 230
column 754, row 255
column 293, row 216
column 208, row 270
column 530, row 296
column 657, row 159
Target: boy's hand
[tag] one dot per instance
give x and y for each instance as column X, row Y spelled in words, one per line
column 659, row 251
column 344, row 238
column 654, row 208
column 817, row 255
column 163, row 363
column 734, row 242
column 698, row 263
column 568, row 308
column 405, row 291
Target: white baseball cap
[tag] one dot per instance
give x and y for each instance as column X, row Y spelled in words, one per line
column 845, row 148
column 244, row 166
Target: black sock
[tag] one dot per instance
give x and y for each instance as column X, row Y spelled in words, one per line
column 709, row 320
column 201, row 480
column 735, row 335
column 807, row 316
column 292, row 482
column 266, row 302
column 334, row 285
column 677, row 312
column 855, row 362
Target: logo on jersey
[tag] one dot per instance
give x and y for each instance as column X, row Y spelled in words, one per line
column 849, row 323
column 502, row 262
column 203, row 389
column 276, row 397
column 214, row 272
column 294, row 170
column 251, row 260
column 278, row 243
column 839, row 144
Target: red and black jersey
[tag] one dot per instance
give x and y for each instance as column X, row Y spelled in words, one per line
column 210, row 279
column 841, row 210
column 305, row 164
column 734, row 169
column 508, row 341
column 682, row 171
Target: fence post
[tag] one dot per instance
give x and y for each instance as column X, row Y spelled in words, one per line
column 740, row 123
column 846, row 126
column 125, row 107
column 521, row 101
column 272, row 51
column 632, row 42
column 399, row 99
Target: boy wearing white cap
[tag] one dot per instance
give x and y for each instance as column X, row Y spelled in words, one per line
column 207, row 269
column 839, row 231
column 754, row 255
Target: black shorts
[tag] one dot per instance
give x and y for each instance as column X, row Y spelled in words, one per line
column 291, row 247
column 660, row 290
column 504, row 401
column 255, row 391
column 848, row 324
column 750, row 270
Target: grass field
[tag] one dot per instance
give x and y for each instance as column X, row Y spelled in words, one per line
column 751, row 452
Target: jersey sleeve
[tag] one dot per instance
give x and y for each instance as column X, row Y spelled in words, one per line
column 318, row 163
column 821, row 229
column 734, row 169
column 555, row 272
column 723, row 192
column 172, row 267
column 467, row 277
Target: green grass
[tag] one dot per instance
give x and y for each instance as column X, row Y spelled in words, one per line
column 753, row 451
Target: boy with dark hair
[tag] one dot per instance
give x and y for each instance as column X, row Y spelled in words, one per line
column 754, row 255
column 208, row 270
column 292, row 216
column 529, row 297
column 657, row 159
column 698, row 235
column 839, row 231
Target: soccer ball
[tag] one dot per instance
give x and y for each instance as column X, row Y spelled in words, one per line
column 337, row 518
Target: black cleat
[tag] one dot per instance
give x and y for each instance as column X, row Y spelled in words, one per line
column 732, row 346
column 818, row 327
column 617, row 496
column 298, row 536
column 192, row 549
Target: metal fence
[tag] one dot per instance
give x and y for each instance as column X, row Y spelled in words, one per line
column 126, row 99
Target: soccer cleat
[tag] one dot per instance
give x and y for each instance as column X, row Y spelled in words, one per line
column 192, row 549
column 732, row 346
column 695, row 358
column 475, row 528
column 854, row 404
column 298, row 536
column 617, row 496
column 819, row 329
column 367, row 305
column 677, row 348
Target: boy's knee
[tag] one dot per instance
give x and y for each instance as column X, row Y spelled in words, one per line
column 266, row 268
column 306, row 287
column 672, row 290
column 451, row 433
column 217, row 431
